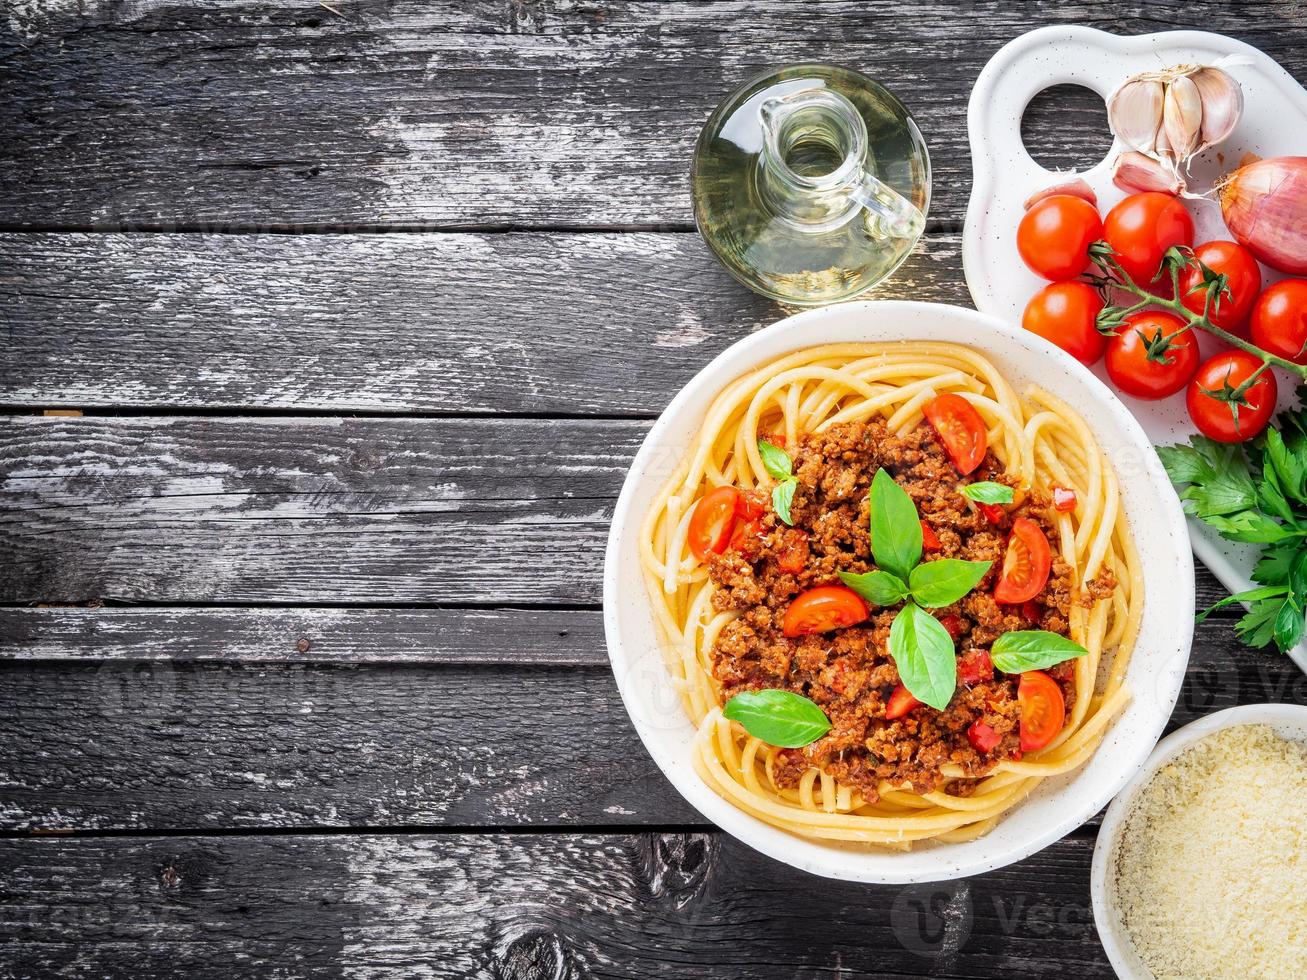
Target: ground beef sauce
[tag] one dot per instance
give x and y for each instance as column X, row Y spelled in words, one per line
column 849, row 672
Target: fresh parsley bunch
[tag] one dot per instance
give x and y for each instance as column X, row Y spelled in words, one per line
column 1256, row 494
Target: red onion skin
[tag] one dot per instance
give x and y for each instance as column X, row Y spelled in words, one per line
column 1265, row 207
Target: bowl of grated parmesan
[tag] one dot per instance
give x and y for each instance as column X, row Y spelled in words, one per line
column 1200, row 870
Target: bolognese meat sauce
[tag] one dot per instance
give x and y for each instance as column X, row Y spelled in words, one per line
column 849, row 671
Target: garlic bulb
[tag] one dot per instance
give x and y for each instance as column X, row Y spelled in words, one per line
column 1174, row 114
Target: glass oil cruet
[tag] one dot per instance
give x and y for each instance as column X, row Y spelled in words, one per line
column 811, row 184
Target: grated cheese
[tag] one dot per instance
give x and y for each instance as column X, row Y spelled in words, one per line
column 1211, row 865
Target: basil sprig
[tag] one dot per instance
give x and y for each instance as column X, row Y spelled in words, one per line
column 922, row 649
column 780, row 718
column 987, row 492
column 776, row 461
column 1023, row 650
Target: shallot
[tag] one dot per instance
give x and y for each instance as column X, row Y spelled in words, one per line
column 1264, row 205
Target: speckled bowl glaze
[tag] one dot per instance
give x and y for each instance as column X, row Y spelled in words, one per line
column 1288, row 720
column 1058, row 805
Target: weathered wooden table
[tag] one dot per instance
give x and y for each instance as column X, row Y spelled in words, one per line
column 361, row 309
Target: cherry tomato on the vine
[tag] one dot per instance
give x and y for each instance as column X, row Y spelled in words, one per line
column 1142, row 227
column 1243, row 279
column 1141, row 361
column 1055, row 234
column 1216, row 418
column 1279, row 320
column 1064, row 314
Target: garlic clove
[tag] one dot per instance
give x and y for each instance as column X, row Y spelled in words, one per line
column 1136, row 172
column 1182, row 116
column 1222, row 100
column 1075, row 187
column 1135, row 113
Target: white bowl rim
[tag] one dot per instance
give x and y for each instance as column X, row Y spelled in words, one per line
column 1112, row 934
column 866, row 866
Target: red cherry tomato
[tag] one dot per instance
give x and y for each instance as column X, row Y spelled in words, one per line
column 751, row 504
column 953, row 625
column 1043, row 710
column 1064, row 314
column 994, row 513
column 794, row 551
column 1279, row 320
column 1032, row 610
column 1243, row 277
column 975, row 666
column 1141, row 369
column 960, row 428
column 712, row 522
column 1142, row 227
column 1055, row 234
column 1064, row 500
column 1025, row 565
column 825, row 608
column 982, row 737
column 929, row 539
column 1214, row 418
column 900, row 703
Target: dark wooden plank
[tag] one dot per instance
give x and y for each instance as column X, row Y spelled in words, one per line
column 129, row 744
column 542, row 907
column 474, row 112
column 163, row 745
column 544, row 637
column 382, row 323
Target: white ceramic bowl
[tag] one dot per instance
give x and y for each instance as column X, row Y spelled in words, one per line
column 1289, row 720
column 1156, row 671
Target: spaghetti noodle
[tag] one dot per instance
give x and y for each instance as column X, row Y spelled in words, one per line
column 1038, row 440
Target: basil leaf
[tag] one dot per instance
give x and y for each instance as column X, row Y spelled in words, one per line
column 943, row 582
column 782, row 496
column 775, row 460
column 987, row 492
column 1023, row 650
column 895, row 528
column 878, row 588
column 780, row 718
column 923, row 653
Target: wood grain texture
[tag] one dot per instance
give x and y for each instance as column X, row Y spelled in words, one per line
column 307, row 511
column 506, row 323
column 474, row 112
column 130, row 744
column 539, row 907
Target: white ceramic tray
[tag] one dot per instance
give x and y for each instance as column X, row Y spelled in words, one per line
column 1274, row 123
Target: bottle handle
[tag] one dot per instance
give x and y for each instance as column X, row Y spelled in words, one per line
column 890, row 215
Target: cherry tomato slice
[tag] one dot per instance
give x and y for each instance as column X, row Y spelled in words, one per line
column 900, row 703
column 746, row 535
column 794, row 551
column 929, row 539
column 1142, row 227
column 712, row 522
column 960, row 428
column 1214, row 418
column 1064, row 500
column 1043, row 710
column 1066, row 315
column 1032, row 610
column 1055, row 234
column 975, row 666
column 994, row 513
column 1279, row 320
column 982, row 737
column 751, row 504
column 825, row 608
column 1243, row 279
column 1025, row 565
